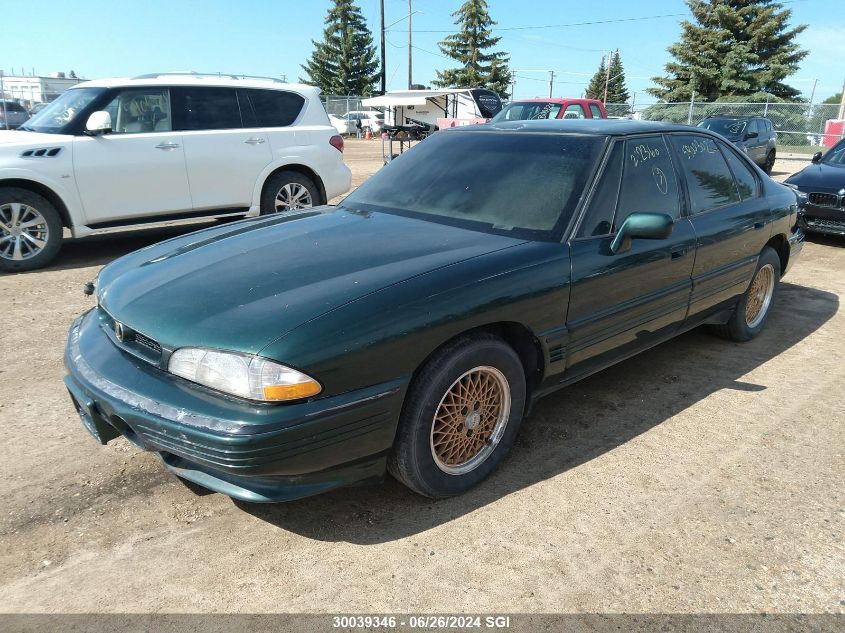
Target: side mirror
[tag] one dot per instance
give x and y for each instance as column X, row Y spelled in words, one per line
column 817, row 157
column 645, row 226
column 751, row 135
column 98, row 123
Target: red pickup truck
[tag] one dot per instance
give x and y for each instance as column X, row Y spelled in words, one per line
column 526, row 109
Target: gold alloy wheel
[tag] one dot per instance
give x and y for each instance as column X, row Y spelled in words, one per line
column 759, row 296
column 470, row 420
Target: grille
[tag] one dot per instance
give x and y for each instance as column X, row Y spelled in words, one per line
column 825, row 223
column 825, row 199
column 147, row 342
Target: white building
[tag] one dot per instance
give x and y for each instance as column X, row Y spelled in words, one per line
column 32, row 90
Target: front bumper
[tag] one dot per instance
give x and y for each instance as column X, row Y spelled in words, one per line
column 249, row 451
column 826, row 220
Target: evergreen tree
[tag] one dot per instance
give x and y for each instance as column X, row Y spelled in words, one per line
column 344, row 63
column 617, row 92
column 479, row 69
column 595, row 89
column 72, row 75
column 732, row 48
column 837, row 98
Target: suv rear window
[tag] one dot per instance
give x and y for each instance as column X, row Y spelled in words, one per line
column 275, row 108
column 11, row 106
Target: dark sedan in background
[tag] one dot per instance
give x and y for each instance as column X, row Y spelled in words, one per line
column 411, row 327
column 823, row 182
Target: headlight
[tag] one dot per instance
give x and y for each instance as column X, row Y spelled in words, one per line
column 240, row 375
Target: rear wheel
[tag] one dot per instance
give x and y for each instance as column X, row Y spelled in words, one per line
column 460, row 417
column 30, row 230
column 288, row 191
column 753, row 308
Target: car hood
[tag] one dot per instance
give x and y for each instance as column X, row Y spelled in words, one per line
column 243, row 285
column 819, row 177
column 20, row 138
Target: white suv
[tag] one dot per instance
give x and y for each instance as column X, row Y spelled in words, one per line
column 132, row 153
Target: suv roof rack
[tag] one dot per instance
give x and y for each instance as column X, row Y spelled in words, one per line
column 193, row 73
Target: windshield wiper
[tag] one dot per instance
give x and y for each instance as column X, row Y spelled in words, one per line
column 25, row 129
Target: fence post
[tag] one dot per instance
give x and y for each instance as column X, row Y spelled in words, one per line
column 766, row 109
column 691, row 105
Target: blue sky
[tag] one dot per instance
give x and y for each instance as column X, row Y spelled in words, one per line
column 272, row 37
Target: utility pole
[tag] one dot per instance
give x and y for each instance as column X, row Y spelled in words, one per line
column 513, row 84
column 383, row 63
column 410, row 61
column 551, row 83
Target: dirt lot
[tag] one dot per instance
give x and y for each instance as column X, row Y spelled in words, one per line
column 702, row 476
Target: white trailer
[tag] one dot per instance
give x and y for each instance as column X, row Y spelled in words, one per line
column 421, row 109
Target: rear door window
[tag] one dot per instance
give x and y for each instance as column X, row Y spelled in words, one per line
column 709, row 180
column 276, row 108
column 746, row 181
column 207, row 109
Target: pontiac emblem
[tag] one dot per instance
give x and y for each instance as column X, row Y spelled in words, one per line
column 118, row 331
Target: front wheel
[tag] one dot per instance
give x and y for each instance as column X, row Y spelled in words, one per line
column 753, row 308
column 30, row 230
column 770, row 162
column 288, row 191
column 460, row 417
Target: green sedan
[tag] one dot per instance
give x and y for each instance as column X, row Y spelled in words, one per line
column 410, row 329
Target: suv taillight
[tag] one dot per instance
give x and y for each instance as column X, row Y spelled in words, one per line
column 337, row 142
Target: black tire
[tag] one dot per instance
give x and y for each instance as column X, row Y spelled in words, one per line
column 412, row 460
column 770, row 162
column 738, row 327
column 52, row 220
column 278, row 181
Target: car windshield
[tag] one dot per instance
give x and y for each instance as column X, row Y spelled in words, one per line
column 510, row 183
column 836, row 156
column 57, row 115
column 529, row 110
column 725, row 127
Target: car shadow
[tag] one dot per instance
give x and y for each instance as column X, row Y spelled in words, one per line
column 825, row 240
column 569, row 428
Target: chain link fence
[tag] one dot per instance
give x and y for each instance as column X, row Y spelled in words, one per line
column 800, row 126
column 338, row 105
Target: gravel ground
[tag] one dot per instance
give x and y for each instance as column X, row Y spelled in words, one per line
column 702, row 476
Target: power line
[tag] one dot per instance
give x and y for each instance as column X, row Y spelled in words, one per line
column 561, row 26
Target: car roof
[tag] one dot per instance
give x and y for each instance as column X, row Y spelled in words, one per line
column 560, row 100
column 190, row 79
column 603, row 127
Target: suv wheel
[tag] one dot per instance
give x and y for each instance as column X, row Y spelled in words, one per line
column 770, row 162
column 30, row 230
column 288, row 191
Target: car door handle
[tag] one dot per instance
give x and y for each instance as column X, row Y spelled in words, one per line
column 254, row 141
column 759, row 224
column 678, row 253
column 168, row 145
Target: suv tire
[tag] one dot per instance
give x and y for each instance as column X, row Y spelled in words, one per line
column 30, row 230
column 287, row 191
